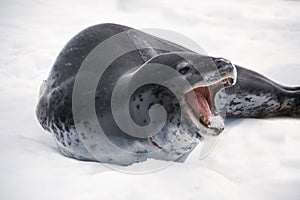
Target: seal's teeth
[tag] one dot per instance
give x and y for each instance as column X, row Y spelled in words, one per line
column 206, row 120
column 226, row 81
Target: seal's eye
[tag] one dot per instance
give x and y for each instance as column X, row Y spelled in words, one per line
column 184, row 70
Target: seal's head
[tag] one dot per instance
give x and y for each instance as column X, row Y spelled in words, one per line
column 197, row 109
column 206, row 99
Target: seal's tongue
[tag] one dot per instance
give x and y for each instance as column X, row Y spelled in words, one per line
column 200, row 101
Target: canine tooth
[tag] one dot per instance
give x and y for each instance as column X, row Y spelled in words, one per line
column 206, row 121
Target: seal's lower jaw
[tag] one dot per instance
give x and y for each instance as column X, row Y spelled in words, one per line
column 201, row 101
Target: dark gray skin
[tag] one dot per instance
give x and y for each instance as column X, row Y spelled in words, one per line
column 252, row 96
column 255, row 96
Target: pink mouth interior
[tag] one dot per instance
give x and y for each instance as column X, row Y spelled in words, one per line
column 200, row 101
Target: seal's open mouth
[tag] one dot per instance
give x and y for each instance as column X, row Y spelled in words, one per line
column 201, row 100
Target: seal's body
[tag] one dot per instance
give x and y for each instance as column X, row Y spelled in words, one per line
column 189, row 117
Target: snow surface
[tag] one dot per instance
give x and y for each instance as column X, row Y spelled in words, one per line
column 254, row 159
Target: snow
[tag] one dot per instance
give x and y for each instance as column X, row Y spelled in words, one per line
column 216, row 122
column 253, row 159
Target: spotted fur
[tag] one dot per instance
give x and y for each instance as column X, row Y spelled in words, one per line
column 253, row 96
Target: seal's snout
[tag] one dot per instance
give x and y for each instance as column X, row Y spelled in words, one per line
column 226, row 69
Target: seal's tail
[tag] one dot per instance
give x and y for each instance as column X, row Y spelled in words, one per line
column 290, row 101
column 290, row 98
column 256, row 96
column 296, row 94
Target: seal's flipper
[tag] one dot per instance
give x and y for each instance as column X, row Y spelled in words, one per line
column 256, row 96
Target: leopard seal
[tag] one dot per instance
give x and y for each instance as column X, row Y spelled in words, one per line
column 189, row 117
